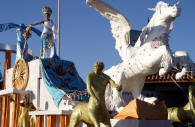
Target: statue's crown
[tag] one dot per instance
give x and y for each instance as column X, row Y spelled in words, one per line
column 47, row 10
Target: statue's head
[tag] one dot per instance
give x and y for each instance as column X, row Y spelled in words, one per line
column 47, row 12
column 26, row 98
column 166, row 11
column 98, row 67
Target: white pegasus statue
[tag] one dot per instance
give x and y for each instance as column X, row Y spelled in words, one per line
column 150, row 55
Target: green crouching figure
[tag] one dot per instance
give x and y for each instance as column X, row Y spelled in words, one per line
column 95, row 111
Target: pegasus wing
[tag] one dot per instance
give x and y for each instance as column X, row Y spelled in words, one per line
column 120, row 27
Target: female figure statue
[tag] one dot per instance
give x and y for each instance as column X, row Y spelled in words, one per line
column 25, row 120
column 49, row 34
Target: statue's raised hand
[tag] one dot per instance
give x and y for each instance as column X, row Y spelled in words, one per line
column 119, row 88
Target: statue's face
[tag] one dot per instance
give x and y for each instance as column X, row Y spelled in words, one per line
column 167, row 11
column 26, row 100
column 47, row 16
column 98, row 67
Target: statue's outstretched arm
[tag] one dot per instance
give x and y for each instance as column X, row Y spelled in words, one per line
column 38, row 23
column 113, row 84
column 120, row 26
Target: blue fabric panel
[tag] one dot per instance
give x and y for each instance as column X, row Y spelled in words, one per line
column 61, row 77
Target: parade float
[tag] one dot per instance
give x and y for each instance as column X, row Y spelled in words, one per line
column 43, row 92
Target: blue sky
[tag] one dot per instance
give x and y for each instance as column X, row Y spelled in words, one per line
column 85, row 35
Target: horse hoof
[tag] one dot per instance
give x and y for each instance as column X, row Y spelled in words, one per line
column 178, row 76
column 119, row 109
column 162, row 72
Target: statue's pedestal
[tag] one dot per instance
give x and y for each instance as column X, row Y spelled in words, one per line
column 138, row 123
column 52, row 118
column 40, row 96
column 137, row 109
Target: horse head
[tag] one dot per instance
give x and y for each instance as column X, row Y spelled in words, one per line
column 164, row 11
column 161, row 23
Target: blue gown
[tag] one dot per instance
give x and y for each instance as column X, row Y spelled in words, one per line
column 61, row 78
